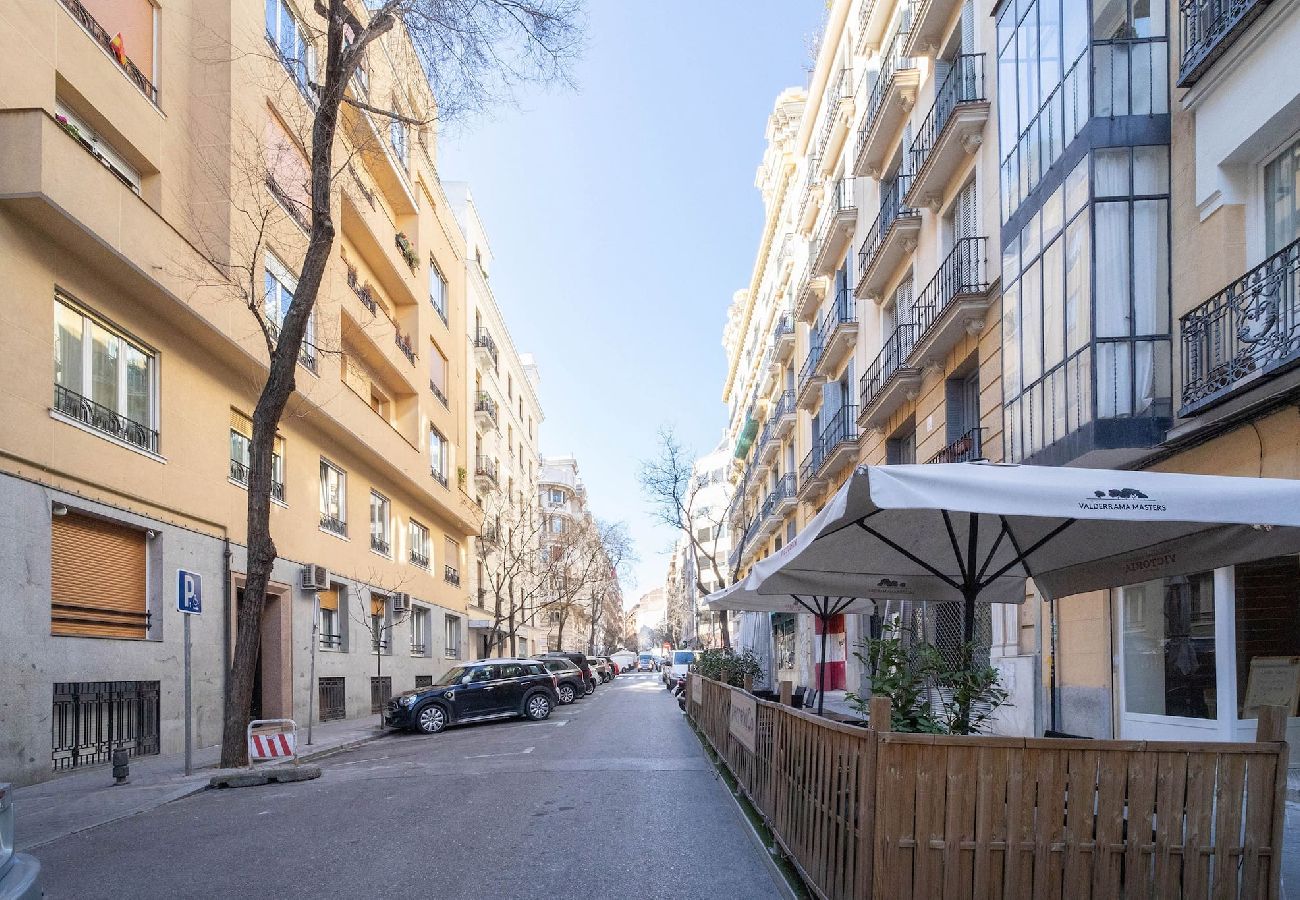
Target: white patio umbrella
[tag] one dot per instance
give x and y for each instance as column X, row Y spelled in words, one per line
column 975, row 531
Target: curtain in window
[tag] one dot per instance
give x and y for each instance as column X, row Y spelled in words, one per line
column 1282, row 199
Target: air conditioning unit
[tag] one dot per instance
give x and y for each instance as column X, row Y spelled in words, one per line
column 314, row 578
column 401, row 602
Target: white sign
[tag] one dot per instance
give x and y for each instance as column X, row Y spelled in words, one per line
column 189, row 592
column 697, row 690
column 744, row 718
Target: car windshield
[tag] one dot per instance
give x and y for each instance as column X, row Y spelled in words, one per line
column 451, row 677
column 683, row 657
column 645, row 657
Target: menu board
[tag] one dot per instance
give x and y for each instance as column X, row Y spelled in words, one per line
column 1273, row 681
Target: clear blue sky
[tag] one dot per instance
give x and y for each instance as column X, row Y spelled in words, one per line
column 623, row 216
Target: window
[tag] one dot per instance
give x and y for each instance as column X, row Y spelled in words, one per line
column 451, row 561
column 280, row 285
column 103, row 379
column 398, row 134
column 438, row 290
column 704, row 535
column 438, row 455
column 1168, row 640
column 331, row 637
column 380, row 536
column 421, row 549
column 287, row 175
column 419, row 632
column 438, row 374
column 1282, row 200
column 97, row 578
column 555, row 497
column 241, row 436
column 1267, row 615
column 451, row 637
column 333, row 499
column 98, row 147
column 286, row 33
column 379, row 624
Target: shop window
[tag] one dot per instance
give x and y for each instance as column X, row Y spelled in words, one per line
column 1168, row 645
column 1268, row 615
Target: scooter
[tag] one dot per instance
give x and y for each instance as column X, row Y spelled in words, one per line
column 678, row 689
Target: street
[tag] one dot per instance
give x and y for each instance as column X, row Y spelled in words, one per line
column 610, row 797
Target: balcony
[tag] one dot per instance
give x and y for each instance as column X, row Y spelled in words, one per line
column 104, row 420
column 438, row 392
column 889, row 381
column 836, row 228
column 890, row 102
column 485, row 410
column 781, row 502
column 953, row 129
column 784, row 414
column 839, row 89
column 451, row 575
column 485, row 472
column 785, row 256
column 810, row 477
column 1208, row 29
column 811, row 291
column 769, row 446
column 967, row 448
column 837, row 332
column 485, row 348
column 379, row 545
column 890, row 240
column 873, row 18
column 783, row 339
column 239, row 475
column 333, row 524
column 839, row 442
column 404, row 344
column 930, row 20
column 1244, row 335
column 953, row 304
column 811, row 195
column 419, row 558
column 810, row 381
column 101, row 37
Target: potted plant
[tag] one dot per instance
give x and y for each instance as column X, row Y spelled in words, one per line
column 407, row 250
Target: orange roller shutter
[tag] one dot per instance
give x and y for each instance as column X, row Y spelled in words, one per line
column 97, row 578
column 328, row 599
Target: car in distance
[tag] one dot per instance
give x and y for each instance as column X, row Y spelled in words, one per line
column 569, row 683
column 578, row 659
column 677, row 665
column 601, row 668
column 476, row 692
column 626, row 660
column 645, row 663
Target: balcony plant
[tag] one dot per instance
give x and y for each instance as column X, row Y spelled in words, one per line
column 407, row 250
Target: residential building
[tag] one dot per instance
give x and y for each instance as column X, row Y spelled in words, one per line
column 502, row 469
column 701, row 565
column 131, row 174
column 651, row 616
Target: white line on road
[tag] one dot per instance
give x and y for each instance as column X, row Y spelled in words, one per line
column 494, row 755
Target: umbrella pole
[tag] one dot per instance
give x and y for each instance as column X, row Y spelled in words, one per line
column 821, row 671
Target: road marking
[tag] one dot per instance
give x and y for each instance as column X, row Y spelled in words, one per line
column 494, row 755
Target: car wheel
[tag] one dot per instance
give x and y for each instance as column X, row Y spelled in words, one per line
column 567, row 694
column 537, row 707
column 589, row 688
column 432, row 719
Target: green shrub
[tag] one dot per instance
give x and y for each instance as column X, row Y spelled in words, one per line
column 727, row 666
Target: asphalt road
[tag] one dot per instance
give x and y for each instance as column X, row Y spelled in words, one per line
column 610, row 798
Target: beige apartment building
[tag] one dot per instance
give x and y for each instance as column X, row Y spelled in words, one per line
column 501, row 467
column 151, row 190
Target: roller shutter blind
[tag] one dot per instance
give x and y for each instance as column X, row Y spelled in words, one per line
column 97, row 578
column 328, row 599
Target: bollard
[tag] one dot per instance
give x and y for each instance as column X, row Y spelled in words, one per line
column 121, row 766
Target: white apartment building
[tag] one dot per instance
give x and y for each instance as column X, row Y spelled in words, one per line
column 501, row 466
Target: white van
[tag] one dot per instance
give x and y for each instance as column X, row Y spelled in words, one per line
column 626, row 660
column 676, row 665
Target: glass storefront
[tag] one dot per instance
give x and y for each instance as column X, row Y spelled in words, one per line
column 1169, row 657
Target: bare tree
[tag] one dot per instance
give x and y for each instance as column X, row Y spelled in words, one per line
column 474, row 52
column 669, row 484
column 513, row 579
column 611, row 547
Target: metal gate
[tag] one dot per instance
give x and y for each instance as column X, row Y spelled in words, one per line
column 381, row 689
column 91, row 719
column 333, row 699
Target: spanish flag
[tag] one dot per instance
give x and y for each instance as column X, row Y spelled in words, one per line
column 119, row 48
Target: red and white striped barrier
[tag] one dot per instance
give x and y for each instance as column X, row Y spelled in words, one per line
column 272, row 739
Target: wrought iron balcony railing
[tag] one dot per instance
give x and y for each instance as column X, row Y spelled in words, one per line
column 102, row 37
column 379, row 545
column 964, row 83
column 841, row 429
column 292, row 207
column 784, row 325
column 892, row 208
column 785, row 489
column 888, row 361
column 239, row 475
column 1208, row 28
column 963, row 272
column 486, row 467
column 1248, row 330
column 437, row 392
column 842, row 311
column 331, row 641
column 483, row 341
column 103, row 419
column 892, row 61
column 810, row 362
column 785, row 405
column 451, row 575
column 404, row 344
column 838, row 89
column 419, row 558
column 439, row 476
column 333, row 524
column 968, row 447
column 843, row 200
column 485, row 404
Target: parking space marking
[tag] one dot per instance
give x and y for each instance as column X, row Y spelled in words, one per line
column 523, row 752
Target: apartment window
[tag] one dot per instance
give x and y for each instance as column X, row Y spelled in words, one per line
column 438, row 374
column 286, row 33
column 287, row 175
column 438, row 290
column 333, row 499
column 421, row 547
column 419, row 631
column 1282, row 200
column 451, row 637
column 241, row 437
column 557, row 525
column 555, row 497
column 280, row 285
column 379, row 624
column 103, row 379
column 704, row 535
column 451, row 560
column 98, row 147
column 97, row 571
column 331, row 636
column 438, row 455
column 399, row 135
column 380, row 517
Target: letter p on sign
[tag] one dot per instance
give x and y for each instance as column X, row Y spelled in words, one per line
column 189, row 592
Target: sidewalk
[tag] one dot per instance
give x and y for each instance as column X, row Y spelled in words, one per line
column 85, row 798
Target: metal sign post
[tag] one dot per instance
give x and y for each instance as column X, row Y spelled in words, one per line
column 189, row 602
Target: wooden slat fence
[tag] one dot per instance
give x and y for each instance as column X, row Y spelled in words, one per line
column 864, row 813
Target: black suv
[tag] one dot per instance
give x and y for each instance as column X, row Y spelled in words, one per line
column 569, row 683
column 580, row 660
column 477, row 691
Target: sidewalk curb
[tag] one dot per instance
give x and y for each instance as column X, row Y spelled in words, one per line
column 315, row 755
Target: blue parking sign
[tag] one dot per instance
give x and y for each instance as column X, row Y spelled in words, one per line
column 189, row 592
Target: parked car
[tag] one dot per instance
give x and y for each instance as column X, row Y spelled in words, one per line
column 601, row 667
column 626, row 660
column 20, row 874
column 475, row 692
column 569, row 682
column 677, row 665
column 645, row 663
column 580, row 660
